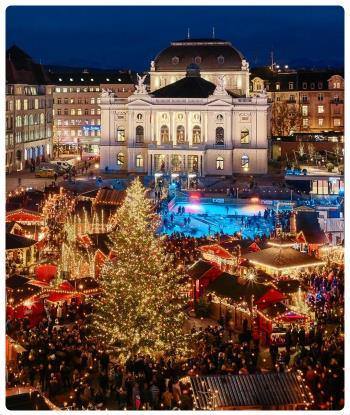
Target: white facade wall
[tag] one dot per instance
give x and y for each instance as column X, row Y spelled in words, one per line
column 143, row 110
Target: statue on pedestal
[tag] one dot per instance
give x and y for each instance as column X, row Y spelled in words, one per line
column 106, row 93
column 141, row 87
column 220, row 86
column 245, row 65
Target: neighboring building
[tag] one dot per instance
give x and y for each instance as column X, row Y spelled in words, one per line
column 28, row 111
column 189, row 127
column 215, row 57
column 76, row 108
column 310, row 101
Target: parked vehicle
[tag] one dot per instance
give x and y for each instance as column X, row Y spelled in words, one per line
column 58, row 169
column 65, row 165
column 45, row 173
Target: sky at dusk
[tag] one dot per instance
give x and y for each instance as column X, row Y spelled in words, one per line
column 130, row 37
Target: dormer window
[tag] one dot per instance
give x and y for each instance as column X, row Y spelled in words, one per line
column 278, row 86
column 197, row 60
column 175, row 60
column 312, row 85
column 221, row 60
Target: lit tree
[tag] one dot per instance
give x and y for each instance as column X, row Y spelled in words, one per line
column 141, row 308
column 286, row 118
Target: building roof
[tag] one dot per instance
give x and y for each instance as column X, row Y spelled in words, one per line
column 16, row 281
column 22, row 69
column 106, row 196
column 281, row 258
column 192, row 86
column 227, row 285
column 86, row 77
column 18, row 242
column 208, row 50
column 302, row 79
column 18, row 295
column 258, row 390
column 199, row 268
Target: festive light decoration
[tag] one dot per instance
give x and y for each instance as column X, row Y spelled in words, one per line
column 141, row 308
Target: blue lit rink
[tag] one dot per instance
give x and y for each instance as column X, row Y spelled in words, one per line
column 210, row 218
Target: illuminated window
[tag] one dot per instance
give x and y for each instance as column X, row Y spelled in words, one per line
column 180, row 134
column 196, row 134
column 278, row 86
column 139, row 161
column 197, row 60
column 219, row 163
column 245, row 162
column 291, row 85
column 245, row 138
column 320, row 109
column 164, row 134
column 219, row 136
column 139, row 134
column 304, row 110
column 120, row 134
column 120, row 159
column 336, row 122
column 320, row 122
column 305, row 122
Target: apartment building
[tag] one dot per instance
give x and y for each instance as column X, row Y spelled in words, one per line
column 76, row 109
column 28, row 111
column 314, row 99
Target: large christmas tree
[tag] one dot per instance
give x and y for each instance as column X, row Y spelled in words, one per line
column 141, row 309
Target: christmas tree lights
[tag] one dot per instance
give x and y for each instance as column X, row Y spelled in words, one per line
column 141, row 308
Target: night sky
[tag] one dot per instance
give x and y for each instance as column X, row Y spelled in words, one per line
column 130, row 37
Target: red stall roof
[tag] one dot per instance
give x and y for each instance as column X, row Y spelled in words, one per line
column 271, row 297
column 23, row 215
column 216, row 250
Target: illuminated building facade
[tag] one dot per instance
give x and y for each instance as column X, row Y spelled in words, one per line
column 190, row 126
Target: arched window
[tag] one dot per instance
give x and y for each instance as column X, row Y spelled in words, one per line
column 219, row 135
column 196, row 134
column 245, row 162
column 120, row 159
column 139, row 160
column 245, row 138
column 164, row 134
column 30, row 119
column 120, row 134
column 139, row 134
column 219, row 163
column 25, row 119
column 42, row 118
column 180, row 134
column 18, row 121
